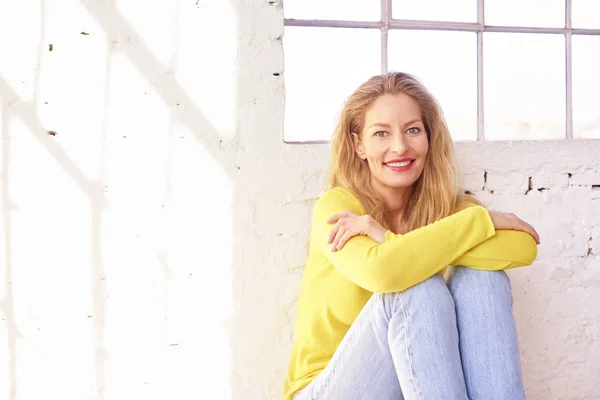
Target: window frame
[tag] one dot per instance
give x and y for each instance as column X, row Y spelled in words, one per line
column 387, row 22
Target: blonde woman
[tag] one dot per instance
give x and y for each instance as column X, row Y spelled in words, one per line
column 375, row 318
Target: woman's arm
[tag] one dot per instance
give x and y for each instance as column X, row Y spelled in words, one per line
column 403, row 260
column 506, row 250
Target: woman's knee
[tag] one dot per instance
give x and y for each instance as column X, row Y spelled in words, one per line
column 468, row 282
column 430, row 297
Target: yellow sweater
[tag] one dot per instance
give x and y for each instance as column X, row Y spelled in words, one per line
column 337, row 285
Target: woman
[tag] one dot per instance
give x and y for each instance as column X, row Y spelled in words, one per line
column 375, row 318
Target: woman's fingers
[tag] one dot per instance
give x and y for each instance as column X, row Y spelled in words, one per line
column 347, row 225
column 345, row 237
column 511, row 221
column 334, row 232
column 337, row 239
column 531, row 230
column 334, row 218
column 337, row 219
column 525, row 227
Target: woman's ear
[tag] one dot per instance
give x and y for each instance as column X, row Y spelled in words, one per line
column 358, row 147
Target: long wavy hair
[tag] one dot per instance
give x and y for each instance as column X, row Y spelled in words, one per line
column 436, row 193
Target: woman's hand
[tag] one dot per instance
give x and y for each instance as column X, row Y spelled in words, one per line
column 509, row 221
column 348, row 225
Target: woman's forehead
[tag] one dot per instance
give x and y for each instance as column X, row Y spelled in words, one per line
column 393, row 109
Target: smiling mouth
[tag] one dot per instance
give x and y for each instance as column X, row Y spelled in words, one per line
column 398, row 164
column 402, row 165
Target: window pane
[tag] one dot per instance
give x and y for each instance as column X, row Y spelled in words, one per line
column 323, row 66
column 524, row 86
column 586, row 86
column 534, row 13
column 585, row 14
column 355, row 10
column 448, row 69
column 436, row 10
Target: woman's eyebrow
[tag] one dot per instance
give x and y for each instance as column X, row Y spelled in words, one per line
column 413, row 121
column 381, row 124
column 384, row 125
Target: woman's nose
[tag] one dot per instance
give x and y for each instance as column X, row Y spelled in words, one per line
column 399, row 144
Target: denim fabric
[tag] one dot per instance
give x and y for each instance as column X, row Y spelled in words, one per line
column 435, row 340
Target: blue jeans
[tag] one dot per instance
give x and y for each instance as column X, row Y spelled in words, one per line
column 432, row 341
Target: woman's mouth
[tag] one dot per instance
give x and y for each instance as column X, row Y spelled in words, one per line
column 400, row 165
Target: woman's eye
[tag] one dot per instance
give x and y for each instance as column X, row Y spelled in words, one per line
column 381, row 133
column 414, row 129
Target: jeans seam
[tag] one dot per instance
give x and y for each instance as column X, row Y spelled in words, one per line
column 410, row 363
column 325, row 384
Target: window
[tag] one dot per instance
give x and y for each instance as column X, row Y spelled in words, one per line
column 501, row 69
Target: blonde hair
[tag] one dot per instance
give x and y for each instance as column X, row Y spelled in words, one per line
column 436, row 193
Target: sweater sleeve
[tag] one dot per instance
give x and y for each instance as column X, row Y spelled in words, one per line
column 505, row 250
column 403, row 260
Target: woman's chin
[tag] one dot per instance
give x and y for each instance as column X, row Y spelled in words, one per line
column 401, row 183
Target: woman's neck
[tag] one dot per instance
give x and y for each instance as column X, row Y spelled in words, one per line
column 396, row 204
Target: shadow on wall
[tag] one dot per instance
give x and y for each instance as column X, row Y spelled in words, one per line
column 221, row 148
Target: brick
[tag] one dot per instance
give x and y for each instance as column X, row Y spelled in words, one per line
column 595, row 242
column 509, row 183
column 473, row 182
column 550, row 180
column 586, row 178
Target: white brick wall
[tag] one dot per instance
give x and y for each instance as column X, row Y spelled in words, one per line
column 154, row 247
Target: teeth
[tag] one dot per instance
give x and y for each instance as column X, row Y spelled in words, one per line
column 399, row 164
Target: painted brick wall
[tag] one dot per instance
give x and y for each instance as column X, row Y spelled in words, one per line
column 154, row 224
column 555, row 186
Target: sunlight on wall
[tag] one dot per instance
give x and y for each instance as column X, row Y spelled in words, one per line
column 206, row 59
column 119, row 223
column 198, row 247
column 25, row 18
column 47, row 270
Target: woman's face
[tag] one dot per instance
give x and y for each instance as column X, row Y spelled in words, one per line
column 393, row 141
